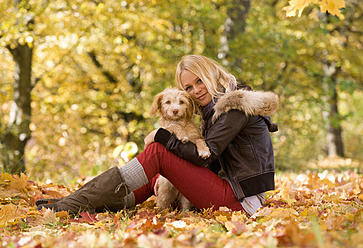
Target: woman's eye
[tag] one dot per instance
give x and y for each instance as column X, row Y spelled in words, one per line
column 199, row 81
column 189, row 88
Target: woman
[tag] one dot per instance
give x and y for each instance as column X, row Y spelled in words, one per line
column 235, row 131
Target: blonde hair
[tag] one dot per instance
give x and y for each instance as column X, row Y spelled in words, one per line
column 216, row 79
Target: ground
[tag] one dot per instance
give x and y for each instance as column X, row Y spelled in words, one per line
column 306, row 210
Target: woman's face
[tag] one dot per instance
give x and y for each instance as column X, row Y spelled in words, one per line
column 195, row 88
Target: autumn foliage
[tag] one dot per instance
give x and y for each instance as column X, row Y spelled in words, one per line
column 331, row 6
column 306, row 210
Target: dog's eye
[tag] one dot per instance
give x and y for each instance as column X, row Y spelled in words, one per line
column 167, row 102
column 181, row 102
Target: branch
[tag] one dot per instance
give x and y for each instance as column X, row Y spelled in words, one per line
column 107, row 74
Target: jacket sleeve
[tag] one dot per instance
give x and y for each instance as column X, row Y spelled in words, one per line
column 219, row 136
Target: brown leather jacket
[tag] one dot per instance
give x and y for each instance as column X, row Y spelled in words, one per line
column 238, row 138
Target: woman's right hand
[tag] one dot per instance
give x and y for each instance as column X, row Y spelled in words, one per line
column 150, row 138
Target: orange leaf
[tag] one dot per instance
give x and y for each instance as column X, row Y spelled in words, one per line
column 19, row 184
column 9, row 213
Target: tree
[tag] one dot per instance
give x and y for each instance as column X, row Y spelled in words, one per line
column 17, row 132
column 287, row 56
column 97, row 67
column 331, row 63
column 233, row 29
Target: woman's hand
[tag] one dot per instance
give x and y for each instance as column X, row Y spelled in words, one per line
column 150, row 138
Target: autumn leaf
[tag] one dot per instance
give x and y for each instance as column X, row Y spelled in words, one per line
column 89, row 218
column 9, row 214
column 294, row 6
column 235, row 227
column 331, row 6
column 5, row 178
column 294, row 236
column 19, row 184
column 324, row 212
column 49, row 216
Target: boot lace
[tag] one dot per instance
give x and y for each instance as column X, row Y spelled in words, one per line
column 118, row 188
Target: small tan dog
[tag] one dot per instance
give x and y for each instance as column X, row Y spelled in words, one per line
column 176, row 109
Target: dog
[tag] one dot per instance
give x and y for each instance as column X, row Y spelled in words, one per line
column 176, row 109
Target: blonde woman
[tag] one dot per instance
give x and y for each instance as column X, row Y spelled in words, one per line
column 235, row 127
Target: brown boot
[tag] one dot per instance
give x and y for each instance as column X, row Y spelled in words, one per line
column 106, row 189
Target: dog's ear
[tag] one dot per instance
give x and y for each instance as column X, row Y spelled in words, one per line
column 156, row 105
column 191, row 107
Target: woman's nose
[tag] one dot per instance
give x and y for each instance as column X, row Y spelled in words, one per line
column 198, row 88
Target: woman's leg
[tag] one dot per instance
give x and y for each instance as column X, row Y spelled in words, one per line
column 199, row 185
column 143, row 193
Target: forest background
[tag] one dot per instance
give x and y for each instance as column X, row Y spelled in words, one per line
column 77, row 77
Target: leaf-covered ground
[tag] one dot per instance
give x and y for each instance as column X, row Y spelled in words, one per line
column 306, row 210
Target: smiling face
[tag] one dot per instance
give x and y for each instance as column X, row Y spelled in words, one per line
column 195, row 88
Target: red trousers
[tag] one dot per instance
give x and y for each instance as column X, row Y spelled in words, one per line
column 199, row 185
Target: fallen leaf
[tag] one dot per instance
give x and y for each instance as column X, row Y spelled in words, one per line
column 87, row 217
column 235, row 227
column 9, row 214
column 49, row 216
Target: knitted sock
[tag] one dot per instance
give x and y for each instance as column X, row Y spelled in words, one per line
column 134, row 175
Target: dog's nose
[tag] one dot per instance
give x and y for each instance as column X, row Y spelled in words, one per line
column 175, row 111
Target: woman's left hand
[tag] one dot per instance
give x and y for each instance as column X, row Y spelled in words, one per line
column 150, row 138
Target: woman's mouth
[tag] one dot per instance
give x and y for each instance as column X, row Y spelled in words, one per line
column 202, row 96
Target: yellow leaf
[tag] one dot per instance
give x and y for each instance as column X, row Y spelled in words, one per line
column 349, row 216
column 332, row 6
column 62, row 214
column 239, row 216
column 19, row 184
column 224, row 209
column 304, row 213
column 33, row 212
column 23, row 176
column 296, row 5
column 9, row 192
column 8, row 214
column 99, row 224
column 313, row 211
column 290, row 201
column 6, row 177
column 221, row 218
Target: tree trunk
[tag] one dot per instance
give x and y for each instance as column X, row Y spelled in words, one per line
column 334, row 141
column 17, row 132
column 234, row 26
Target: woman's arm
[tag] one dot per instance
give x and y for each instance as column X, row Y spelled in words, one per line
column 220, row 135
column 150, row 138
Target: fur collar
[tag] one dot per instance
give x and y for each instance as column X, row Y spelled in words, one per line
column 251, row 102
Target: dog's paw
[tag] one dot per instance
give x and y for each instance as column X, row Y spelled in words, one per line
column 204, row 153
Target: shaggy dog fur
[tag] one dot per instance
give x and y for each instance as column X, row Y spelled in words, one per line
column 176, row 109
